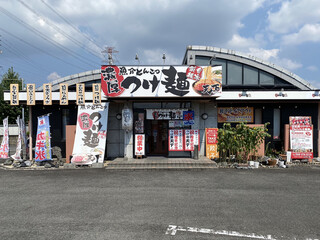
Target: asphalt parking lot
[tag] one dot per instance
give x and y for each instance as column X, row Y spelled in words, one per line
column 208, row 204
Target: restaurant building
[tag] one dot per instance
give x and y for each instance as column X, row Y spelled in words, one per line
column 211, row 87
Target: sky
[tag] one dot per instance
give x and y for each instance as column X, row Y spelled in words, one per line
column 44, row 40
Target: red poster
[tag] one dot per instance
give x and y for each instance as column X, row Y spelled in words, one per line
column 212, row 134
column 176, row 140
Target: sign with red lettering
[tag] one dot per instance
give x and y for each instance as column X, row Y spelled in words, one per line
column 301, row 140
column 139, row 144
column 191, row 138
column 211, row 143
column 176, row 140
column 211, row 135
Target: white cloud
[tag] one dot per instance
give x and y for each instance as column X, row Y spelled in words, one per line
column 264, row 54
column 294, row 14
column 312, row 68
column 308, row 33
column 53, row 76
column 154, row 57
column 288, row 63
column 241, row 43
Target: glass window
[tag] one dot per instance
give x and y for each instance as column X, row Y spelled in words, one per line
column 223, row 64
column 250, row 75
column 266, row 78
column 144, row 105
column 258, row 116
column 202, row 60
column 234, row 73
column 65, row 122
column 276, row 123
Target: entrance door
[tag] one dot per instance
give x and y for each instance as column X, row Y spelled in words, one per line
column 158, row 139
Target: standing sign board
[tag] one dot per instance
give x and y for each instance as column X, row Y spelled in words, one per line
column 212, row 143
column 176, row 140
column 191, row 138
column 301, row 137
column 161, row 81
column 139, row 144
column 91, row 134
column 43, row 140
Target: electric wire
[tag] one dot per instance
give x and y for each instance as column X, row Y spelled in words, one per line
column 19, row 54
column 58, row 29
column 41, row 50
column 70, row 24
column 38, row 33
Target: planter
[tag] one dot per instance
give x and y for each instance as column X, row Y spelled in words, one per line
column 272, row 162
column 256, row 164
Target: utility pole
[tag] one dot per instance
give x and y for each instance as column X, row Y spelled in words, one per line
column 109, row 51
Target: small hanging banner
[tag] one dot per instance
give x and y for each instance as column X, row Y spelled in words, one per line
column 139, row 145
column 14, row 94
column 80, row 93
column 176, row 140
column 212, row 143
column 63, row 94
column 47, row 96
column 31, row 94
column 17, row 155
column 43, row 141
column 4, row 148
column 188, row 117
column 96, row 93
column 191, row 138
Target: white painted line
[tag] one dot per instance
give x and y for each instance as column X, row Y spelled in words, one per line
column 172, row 230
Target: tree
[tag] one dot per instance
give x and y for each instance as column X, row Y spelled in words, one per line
column 10, row 77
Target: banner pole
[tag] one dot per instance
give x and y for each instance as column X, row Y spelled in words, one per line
column 30, row 133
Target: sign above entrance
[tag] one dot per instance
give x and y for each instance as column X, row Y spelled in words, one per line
column 161, row 81
column 165, row 114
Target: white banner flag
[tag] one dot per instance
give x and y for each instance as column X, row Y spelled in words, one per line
column 91, row 134
column 17, row 155
column 4, row 148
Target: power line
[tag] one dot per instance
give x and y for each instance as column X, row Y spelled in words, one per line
column 41, row 50
column 70, row 24
column 16, row 52
column 38, row 33
column 59, row 30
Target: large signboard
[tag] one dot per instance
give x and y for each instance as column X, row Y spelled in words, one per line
column 212, row 143
column 301, row 140
column 191, row 138
column 91, row 134
column 235, row 114
column 161, row 81
column 176, row 140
